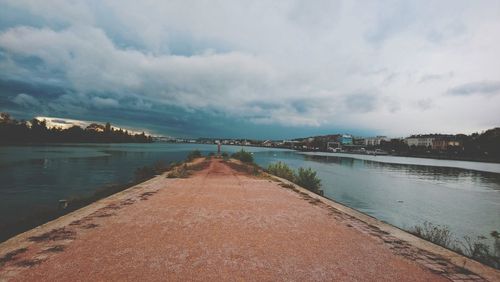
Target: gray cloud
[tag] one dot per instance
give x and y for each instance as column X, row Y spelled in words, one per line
column 476, row 88
column 424, row 104
column 361, row 103
column 100, row 103
column 26, row 100
column 287, row 64
column 435, row 77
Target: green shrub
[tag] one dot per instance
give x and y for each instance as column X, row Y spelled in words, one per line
column 194, row 155
column 243, row 156
column 281, row 170
column 306, row 177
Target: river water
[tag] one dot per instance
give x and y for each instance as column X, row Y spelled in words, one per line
column 401, row 191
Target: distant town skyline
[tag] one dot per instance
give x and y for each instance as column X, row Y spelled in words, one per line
column 239, row 69
column 66, row 123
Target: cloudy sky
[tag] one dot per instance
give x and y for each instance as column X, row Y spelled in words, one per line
column 257, row 69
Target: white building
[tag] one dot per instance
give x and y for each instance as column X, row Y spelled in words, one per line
column 375, row 141
column 419, row 141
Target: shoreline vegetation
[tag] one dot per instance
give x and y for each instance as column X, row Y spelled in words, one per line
column 242, row 161
column 16, row 132
column 474, row 248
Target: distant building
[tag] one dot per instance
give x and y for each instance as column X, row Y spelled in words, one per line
column 346, row 139
column 333, row 146
column 267, row 143
column 419, row 141
column 444, row 143
column 435, row 141
column 358, row 141
column 375, row 141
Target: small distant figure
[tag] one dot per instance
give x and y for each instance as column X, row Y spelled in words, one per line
column 218, row 149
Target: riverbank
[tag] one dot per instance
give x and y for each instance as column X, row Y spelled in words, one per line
column 389, row 159
column 225, row 224
column 443, row 157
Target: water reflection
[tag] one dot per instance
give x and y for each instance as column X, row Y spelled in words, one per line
column 429, row 173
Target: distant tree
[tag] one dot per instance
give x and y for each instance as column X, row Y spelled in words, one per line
column 36, row 131
column 4, row 118
column 107, row 128
column 394, row 145
column 95, row 127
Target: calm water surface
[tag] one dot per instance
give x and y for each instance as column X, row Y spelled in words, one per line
column 401, row 191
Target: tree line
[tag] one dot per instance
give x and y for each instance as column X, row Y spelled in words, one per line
column 483, row 146
column 14, row 131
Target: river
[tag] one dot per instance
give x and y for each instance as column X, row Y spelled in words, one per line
column 401, row 191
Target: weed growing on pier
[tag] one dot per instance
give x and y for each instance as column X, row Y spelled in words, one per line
column 243, row 156
column 305, row 177
column 281, row 170
column 437, row 234
column 179, row 172
column 476, row 249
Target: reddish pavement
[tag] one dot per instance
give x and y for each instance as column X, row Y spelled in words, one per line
column 216, row 225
